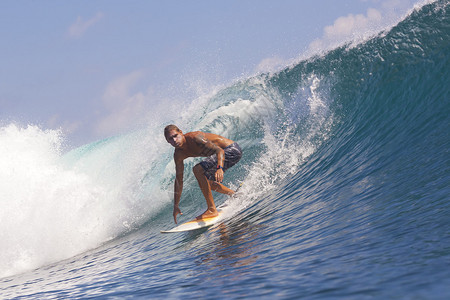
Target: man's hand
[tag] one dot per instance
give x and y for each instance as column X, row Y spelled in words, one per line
column 176, row 211
column 219, row 175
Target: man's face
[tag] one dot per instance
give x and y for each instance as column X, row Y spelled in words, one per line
column 175, row 138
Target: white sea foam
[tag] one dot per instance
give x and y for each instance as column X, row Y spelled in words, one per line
column 286, row 146
column 54, row 206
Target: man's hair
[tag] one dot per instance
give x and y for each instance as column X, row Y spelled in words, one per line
column 169, row 128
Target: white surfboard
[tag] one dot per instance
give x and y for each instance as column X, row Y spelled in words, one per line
column 197, row 224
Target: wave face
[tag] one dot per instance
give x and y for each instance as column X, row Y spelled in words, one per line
column 346, row 173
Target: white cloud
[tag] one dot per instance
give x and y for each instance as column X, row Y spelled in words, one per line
column 119, row 89
column 351, row 27
column 68, row 127
column 123, row 107
column 270, row 64
column 356, row 28
column 79, row 28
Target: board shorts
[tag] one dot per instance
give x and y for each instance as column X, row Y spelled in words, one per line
column 233, row 154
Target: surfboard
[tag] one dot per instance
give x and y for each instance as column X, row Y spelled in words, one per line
column 197, row 224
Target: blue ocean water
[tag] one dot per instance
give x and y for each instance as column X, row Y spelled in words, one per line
column 346, row 188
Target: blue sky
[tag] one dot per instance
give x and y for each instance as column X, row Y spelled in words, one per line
column 97, row 68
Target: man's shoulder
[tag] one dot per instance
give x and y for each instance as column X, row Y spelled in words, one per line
column 179, row 155
column 193, row 134
column 198, row 137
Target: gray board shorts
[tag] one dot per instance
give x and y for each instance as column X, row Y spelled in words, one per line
column 233, row 154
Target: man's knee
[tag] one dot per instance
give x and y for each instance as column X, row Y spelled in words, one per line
column 214, row 185
column 198, row 170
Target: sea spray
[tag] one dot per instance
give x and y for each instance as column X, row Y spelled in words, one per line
column 55, row 206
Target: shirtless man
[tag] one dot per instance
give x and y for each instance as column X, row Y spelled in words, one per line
column 221, row 153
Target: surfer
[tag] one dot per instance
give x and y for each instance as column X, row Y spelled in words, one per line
column 221, row 153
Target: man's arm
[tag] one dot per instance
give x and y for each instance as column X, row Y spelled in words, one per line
column 178, row 188
column 209, row 148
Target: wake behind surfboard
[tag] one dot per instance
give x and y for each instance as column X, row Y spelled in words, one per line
column 197, row 224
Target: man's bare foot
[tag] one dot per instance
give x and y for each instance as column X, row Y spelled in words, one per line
column 207, row 214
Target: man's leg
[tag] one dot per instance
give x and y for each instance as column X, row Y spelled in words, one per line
column 220, row 188
column 199, row 173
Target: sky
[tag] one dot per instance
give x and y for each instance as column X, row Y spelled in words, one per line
column 98, row 68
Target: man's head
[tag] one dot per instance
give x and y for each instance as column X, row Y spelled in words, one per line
column 174, row 135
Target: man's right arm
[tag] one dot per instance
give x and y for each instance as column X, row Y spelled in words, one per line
column 178, row 188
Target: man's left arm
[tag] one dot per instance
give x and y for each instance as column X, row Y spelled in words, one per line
column 209, row 148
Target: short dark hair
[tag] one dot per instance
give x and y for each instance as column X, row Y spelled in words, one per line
column 169, row 128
